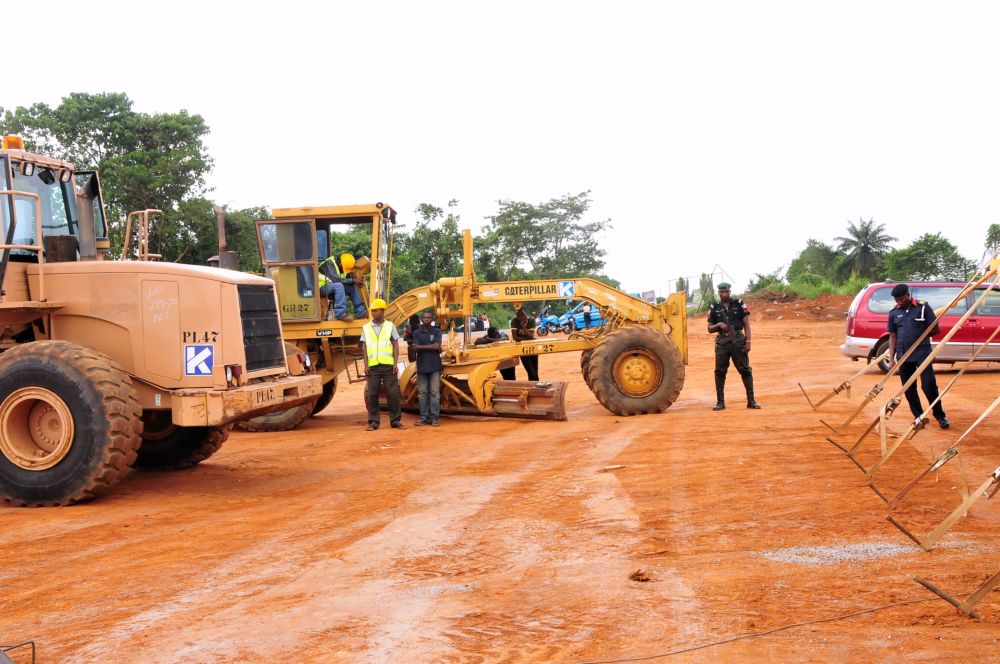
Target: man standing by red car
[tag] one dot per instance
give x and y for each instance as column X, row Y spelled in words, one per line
column 907, row 322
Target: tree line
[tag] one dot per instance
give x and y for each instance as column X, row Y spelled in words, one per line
column 160, row 161
column 866, row 254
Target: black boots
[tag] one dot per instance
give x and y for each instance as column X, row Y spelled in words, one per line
column 720, row 393
column 748, row 384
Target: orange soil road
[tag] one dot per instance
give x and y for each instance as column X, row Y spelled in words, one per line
column 498, row 540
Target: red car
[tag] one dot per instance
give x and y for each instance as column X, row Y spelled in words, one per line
column 869, row 312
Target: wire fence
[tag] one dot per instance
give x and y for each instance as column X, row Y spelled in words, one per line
column 700, row 288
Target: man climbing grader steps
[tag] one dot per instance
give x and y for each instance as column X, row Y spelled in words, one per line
column 634, row 363
column 107, row 364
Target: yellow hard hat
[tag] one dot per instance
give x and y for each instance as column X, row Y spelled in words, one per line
column 378, row 303
column 347, row 262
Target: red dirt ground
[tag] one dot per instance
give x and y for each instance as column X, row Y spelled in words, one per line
column 499, row 540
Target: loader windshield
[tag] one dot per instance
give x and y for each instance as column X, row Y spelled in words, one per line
column 58, row 208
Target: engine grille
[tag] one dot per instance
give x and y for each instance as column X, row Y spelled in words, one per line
column 261, row 328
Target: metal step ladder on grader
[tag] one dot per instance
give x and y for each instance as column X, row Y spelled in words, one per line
column 109, row 365
column 634, row 363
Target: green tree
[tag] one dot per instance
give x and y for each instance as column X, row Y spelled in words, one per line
column 993, row 239
column 865, row 248
column 817, row 258
column 682, row 285
column 764, row 281
column 146, row 161
column 706, row 290
column 543, row 240
column 930, row 256
column 432, row 250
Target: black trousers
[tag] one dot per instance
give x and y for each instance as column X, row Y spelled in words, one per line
column 730, row 349
column 530, row 363
column 378, row 376
column 508, row 374
column 929, row 385
column 586, row 319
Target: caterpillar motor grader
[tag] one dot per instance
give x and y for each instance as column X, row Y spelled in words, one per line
column 634, row 363
column 106, row 365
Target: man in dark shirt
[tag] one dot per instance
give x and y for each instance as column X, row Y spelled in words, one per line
column 730, row 319
column 493, row 335
column 907, row 322
column 522, row 328
column 427, row 344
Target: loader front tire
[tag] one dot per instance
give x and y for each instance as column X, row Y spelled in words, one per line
column 70, row 424
column 636, row 370
column 329, row 389
column 282, row 420
column 166, row 446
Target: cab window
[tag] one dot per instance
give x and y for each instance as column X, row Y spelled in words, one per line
column 55, row 200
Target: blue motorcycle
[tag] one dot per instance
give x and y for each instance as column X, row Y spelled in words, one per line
column 546, row 322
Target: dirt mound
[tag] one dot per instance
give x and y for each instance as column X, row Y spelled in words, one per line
column 825, row 308
column 772, row 305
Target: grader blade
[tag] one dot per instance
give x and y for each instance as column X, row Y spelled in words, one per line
column 544, row 400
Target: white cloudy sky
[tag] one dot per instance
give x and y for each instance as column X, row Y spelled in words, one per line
column 710, row 132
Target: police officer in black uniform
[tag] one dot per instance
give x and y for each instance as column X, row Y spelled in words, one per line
column 730, row 319
column 906, row 323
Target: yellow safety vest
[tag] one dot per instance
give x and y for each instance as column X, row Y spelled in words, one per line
column 379, row 346
column 323, row 280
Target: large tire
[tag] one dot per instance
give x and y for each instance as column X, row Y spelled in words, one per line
column 166, row 446
column 282, row 420
column 70, row 424
column 329, row 389
column 879, row 349
column 542, row 330
column 585, row 357
column 636, row 370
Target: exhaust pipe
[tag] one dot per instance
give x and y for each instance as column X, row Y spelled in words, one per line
column 227, row 260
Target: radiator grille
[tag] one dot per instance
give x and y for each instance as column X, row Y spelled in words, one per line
column 261, row 328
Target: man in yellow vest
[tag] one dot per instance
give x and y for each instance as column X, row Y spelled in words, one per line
column 337, row 285
column 380, row 347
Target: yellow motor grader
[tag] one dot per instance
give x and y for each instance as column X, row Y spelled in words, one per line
column 633, row 363
column 108, row 365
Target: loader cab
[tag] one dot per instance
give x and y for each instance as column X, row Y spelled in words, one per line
column 49, row 212
column 297, row 240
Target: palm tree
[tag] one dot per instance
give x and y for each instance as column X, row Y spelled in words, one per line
column 864, row 248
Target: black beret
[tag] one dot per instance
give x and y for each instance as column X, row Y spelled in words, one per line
column 899, row 290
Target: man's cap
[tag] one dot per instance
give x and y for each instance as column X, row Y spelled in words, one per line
column 724, row 286
column 899, row 290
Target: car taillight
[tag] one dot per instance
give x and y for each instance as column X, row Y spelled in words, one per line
column 850, row 323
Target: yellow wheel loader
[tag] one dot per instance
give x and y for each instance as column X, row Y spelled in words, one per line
column 109, row 365
column 634, row 363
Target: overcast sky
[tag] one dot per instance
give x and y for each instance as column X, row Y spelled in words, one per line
column 709, row 132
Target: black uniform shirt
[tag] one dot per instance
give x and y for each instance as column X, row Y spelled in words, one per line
column 732, row 315
column 908, row 324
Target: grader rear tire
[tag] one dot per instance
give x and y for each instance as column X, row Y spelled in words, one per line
column 282, row 420
column 70, row 424
column 585, row 358
column 329, row 389
column 166, row 446
column 636, row 370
